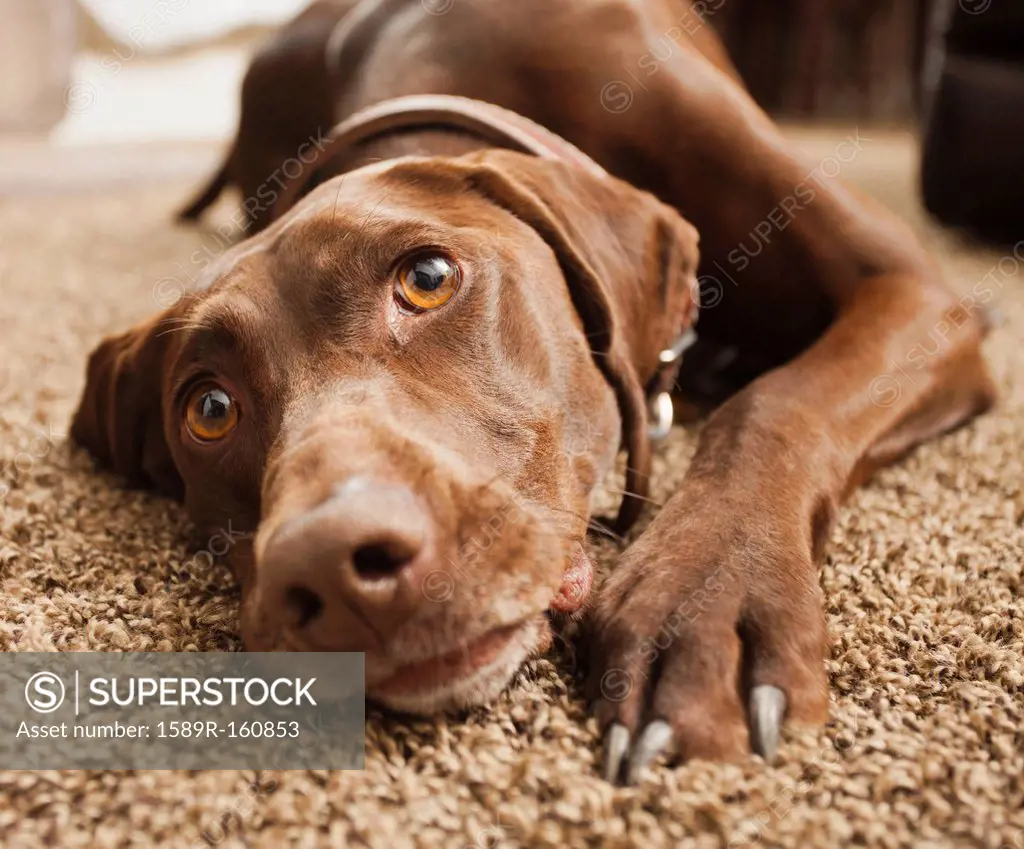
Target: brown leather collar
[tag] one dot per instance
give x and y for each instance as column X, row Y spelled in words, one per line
column 500, row 127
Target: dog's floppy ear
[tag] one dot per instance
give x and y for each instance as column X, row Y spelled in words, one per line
column 120, row 418
column 630, row 262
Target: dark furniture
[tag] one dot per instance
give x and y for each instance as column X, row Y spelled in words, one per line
column 839, row 59
column 972, row 173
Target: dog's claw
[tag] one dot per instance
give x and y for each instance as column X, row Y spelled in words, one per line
column 655, row 739
column 616, row 745
column 767, row 707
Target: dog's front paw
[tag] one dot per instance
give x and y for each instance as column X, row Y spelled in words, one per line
column 707, row 636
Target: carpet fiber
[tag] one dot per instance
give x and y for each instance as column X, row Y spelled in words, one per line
column 923, row 582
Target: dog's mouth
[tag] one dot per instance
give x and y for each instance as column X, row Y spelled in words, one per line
column 470, row 674
column 442, row 669
column 476, row 671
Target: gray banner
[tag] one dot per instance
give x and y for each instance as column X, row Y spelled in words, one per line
column 181, row 710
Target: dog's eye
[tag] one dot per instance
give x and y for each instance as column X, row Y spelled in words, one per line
column 211, row 413
column 427, row 281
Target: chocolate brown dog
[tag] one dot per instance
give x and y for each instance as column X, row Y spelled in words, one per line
column 411, row 380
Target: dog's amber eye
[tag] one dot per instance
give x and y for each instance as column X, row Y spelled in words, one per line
column 427, row 281
column 211, row 413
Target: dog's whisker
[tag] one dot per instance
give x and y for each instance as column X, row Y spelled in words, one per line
column 180, row 319
column 337, row 197
column 590, row 524
column 181, row 328
column 370, row 215
column 603, row 530
column 536, row 508
column 632, row 494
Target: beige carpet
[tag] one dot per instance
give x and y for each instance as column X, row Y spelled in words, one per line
column 923, row 581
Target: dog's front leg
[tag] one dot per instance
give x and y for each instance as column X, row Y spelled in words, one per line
column 711, row 630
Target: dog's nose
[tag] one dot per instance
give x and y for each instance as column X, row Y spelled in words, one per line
column 351, row 565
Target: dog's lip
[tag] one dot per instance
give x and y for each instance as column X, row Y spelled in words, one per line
column 577, row 582
column 443, row 668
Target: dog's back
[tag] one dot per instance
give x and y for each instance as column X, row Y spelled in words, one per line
column 340, row 56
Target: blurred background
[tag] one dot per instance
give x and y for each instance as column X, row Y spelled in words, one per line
column 113, row 90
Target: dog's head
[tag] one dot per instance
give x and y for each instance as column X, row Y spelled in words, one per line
column 408, row 386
